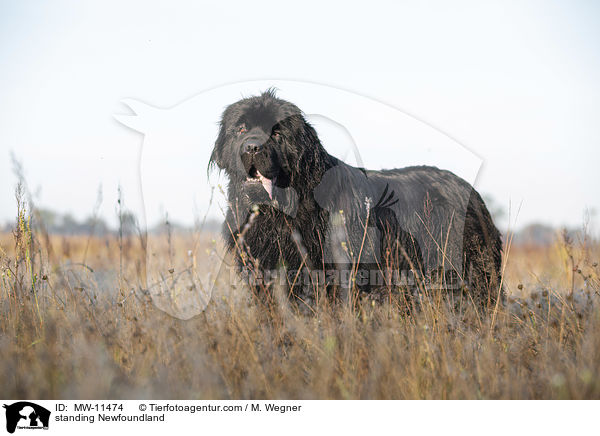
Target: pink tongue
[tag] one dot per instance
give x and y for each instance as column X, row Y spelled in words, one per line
column 267, row 184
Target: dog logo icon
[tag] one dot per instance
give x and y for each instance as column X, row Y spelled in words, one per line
column 26, row 415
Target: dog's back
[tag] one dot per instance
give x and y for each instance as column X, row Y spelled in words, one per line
column 423, row 218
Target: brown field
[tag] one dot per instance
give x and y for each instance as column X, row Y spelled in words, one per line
column 75, row 323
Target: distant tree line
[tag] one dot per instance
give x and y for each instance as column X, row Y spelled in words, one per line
column 128, row 224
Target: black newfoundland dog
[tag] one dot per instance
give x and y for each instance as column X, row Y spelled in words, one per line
column 336, row 227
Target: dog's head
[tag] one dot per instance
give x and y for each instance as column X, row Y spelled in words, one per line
column 263, row 143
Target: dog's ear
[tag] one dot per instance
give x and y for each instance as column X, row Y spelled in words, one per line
column 311, row 147
column 217, row 158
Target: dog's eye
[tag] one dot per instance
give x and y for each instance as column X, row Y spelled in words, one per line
column 242, row 129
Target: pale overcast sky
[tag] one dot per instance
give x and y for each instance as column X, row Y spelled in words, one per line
column 517, row 83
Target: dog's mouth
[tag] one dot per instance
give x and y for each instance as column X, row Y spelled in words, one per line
column 255, row 176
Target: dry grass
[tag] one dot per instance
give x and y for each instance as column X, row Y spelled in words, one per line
column 75, row 323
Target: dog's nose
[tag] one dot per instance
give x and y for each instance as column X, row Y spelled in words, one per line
column 251, row 146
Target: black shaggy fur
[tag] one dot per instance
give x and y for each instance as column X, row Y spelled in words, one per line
column 292, row 204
